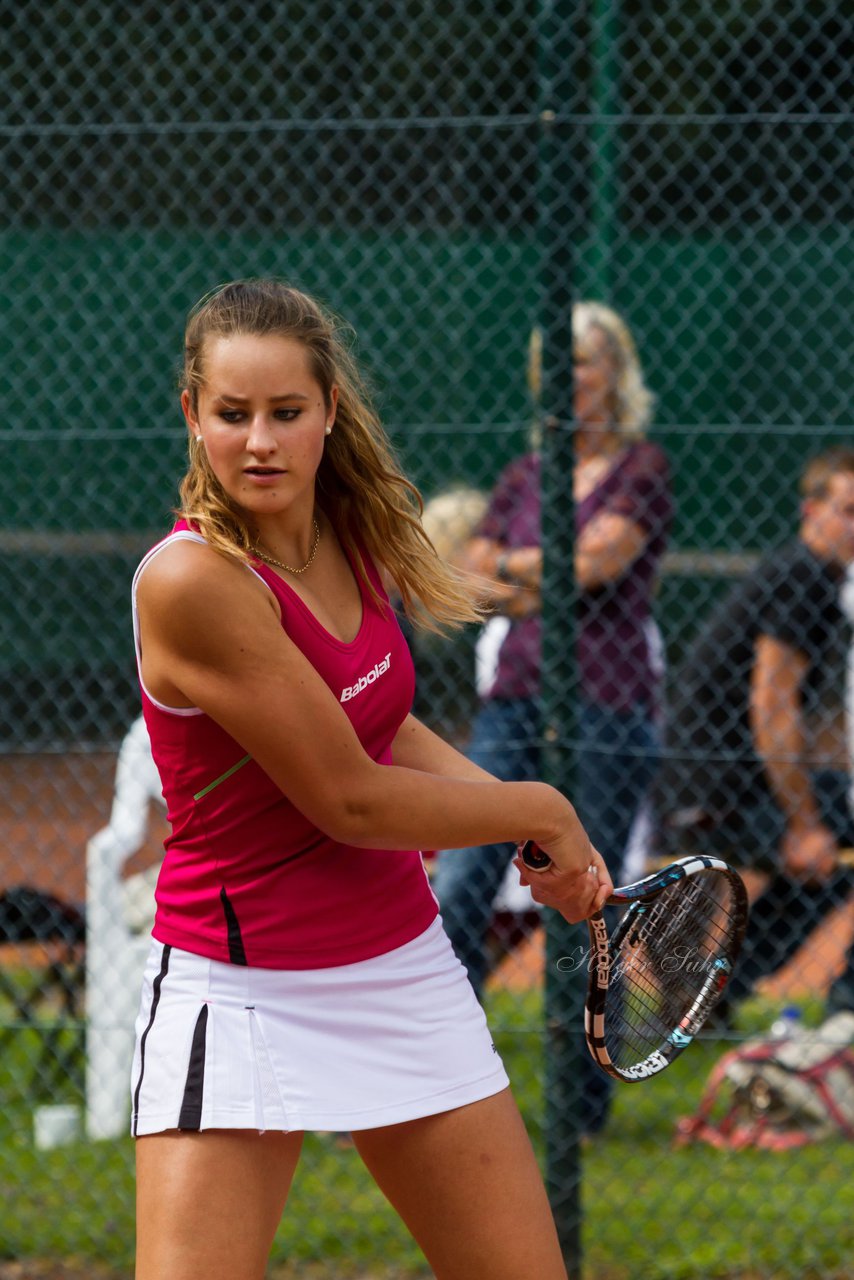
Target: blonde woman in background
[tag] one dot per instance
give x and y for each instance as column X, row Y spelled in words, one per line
column 623, row 509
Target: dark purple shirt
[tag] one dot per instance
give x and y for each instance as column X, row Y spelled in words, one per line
column 616, row 662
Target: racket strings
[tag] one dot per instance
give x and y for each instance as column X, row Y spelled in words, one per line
column 670, row 959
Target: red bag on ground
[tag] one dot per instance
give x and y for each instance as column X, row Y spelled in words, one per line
column 778, row 1094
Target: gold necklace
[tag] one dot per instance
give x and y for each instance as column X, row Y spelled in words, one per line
column 262, row 555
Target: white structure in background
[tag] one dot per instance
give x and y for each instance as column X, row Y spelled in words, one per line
column 119, row 915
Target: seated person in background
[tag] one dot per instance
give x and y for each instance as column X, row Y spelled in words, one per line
column 755, row 768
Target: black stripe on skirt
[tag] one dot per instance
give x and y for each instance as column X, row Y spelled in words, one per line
column 155, row 1000
column 191, row 1104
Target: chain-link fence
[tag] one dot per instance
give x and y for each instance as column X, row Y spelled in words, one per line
column 443, row 176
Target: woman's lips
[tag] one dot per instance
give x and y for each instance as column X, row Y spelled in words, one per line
column 264, row 476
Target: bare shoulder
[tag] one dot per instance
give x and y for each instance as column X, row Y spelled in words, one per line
column 189, row 581
column 179, row 560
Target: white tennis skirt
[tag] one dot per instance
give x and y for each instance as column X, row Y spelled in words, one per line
column 358, row 1046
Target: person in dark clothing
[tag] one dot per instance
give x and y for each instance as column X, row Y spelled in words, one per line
column 755, row 769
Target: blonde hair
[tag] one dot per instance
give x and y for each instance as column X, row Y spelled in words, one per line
column 360, row 484
column 634, row 400
column 451, row 517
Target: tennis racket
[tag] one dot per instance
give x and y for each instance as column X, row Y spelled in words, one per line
column 656, row 979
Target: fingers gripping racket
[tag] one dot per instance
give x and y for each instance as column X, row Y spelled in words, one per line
column 656, row 979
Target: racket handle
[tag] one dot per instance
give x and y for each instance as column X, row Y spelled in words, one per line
column 533, row 856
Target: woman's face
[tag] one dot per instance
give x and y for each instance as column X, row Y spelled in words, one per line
column 262, row 417
column 595, row 400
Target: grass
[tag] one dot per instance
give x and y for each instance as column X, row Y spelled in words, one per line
column 650, row 1211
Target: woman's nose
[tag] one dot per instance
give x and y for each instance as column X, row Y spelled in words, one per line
column 261, row 438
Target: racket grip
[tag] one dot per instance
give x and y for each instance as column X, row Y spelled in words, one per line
column 533, row 856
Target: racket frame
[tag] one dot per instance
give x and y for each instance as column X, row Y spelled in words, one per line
column 602, row 948
column 635, row 897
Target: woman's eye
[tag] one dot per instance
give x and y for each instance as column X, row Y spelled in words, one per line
column 286, row 415
column 230, row 415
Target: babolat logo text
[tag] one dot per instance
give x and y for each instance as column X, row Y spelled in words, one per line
column 362, row 683
column 603, row 958
column 655, row 1062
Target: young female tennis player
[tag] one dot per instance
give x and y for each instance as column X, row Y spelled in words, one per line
column 299, row 976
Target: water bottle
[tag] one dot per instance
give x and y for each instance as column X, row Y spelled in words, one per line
column 788, row 1024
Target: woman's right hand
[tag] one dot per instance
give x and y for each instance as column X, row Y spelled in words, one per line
column 577, row 892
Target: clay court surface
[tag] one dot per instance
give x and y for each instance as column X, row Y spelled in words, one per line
column 51, row 805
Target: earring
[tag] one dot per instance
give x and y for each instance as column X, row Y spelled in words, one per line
column 328, row 431
column 198, row 437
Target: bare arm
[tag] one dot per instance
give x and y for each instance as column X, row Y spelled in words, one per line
column 211, row 636
column 420, row 748
column 417, row 747
column 777, row 723
column 605, row 549
column 484, row 558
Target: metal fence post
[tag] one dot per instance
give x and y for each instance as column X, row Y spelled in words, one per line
column 564, row 1005
column 605, row 98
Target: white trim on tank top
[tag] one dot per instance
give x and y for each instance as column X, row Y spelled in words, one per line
column 180, row 535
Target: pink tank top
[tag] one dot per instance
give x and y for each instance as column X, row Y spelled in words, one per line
column 247, row 879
